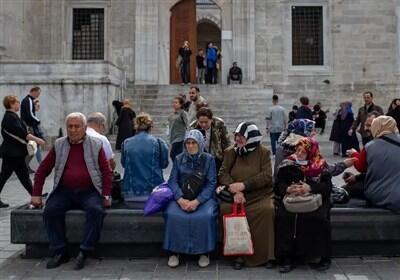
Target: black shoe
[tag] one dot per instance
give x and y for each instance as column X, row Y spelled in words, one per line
column 324, row 264
column 270, row 265
column 237, row 265
column 3, row 205
column 80, row 261
column 57, row 260
column 286, row 266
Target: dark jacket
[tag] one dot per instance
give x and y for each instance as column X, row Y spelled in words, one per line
column 304, row 112
column 14, row 125
column 125, row 126
column 395, row 114
column 28, row 112
column 185, row 54
column 235, row 74
column 362, row 117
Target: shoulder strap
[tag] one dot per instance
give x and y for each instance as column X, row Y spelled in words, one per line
column 391, row 141
column 15, row 137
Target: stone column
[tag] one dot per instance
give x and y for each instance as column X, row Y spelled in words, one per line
column 226, row 40
column 146, row 42
column 243, row 23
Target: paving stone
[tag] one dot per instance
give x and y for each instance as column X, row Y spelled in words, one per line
column 136, row 275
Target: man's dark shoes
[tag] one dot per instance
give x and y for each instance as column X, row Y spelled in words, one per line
column 3, row 205
column 80, row 261
column 238, row 263
column 286, row 266
column 57, row 260
column 270, row 265
column 324, row 264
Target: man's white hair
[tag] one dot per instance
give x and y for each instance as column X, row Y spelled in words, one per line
column 97, row 118
column 76, row 115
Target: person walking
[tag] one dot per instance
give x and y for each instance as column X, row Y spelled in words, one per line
column 13, row 149
column 178, row 124
column 276, row 122
column 28, row 115
column 368, row 107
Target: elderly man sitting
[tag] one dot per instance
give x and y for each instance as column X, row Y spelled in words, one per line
column 82, row 179
column 96, row 126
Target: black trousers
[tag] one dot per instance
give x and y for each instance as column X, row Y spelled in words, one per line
column 64, row 199
column 17, row 165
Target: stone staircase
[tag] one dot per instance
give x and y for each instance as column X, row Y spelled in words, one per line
column 232, row 103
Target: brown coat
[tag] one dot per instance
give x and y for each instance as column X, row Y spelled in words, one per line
column 362, row 117
column 255, row 171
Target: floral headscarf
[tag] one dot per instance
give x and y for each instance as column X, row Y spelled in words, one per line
column 315, row 163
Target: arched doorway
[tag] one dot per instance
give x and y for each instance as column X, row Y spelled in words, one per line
column 208, row 31
column 196, row 21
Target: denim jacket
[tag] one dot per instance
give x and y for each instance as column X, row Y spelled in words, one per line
column 143, row 157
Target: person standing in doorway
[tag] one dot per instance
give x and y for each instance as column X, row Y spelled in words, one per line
column 276, row 122
column 212, row 57
column 201, row 68
column 368, row 107
column 185, row 54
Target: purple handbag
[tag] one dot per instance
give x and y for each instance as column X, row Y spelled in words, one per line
column 159, row 199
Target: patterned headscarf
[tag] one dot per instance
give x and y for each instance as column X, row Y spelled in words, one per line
column 302, row 127
column 253, row 136
column 315, row 162
column 383, row 125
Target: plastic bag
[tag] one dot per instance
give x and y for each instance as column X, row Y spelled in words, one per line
column 159, row 199
column 237, row 237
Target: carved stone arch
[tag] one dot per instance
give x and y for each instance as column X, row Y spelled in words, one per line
column 209, row 19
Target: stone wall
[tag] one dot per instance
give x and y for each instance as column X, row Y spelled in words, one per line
column 361, row 42
column 66, row 87
column 361, row 47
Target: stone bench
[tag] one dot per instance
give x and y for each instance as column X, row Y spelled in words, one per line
column 127, row 233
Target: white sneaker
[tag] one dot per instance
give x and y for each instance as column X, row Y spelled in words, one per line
column 204, row 261
column 173, row 261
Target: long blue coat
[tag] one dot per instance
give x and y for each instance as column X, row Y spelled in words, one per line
column 195, row 232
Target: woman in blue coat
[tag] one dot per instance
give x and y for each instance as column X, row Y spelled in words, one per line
column 190, row 225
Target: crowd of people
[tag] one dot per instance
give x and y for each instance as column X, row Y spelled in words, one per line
column 203, row 156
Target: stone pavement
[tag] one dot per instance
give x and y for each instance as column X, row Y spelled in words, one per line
column 12, row 266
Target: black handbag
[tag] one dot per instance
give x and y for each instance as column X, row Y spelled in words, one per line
column 192, row 186
column 223, row 192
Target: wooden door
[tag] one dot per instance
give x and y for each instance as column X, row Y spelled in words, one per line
column 183, row 28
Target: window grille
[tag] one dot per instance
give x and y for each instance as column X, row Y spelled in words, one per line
column 88, row 34
column 307, row 35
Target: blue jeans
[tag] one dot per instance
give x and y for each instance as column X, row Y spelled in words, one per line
column 274, row 138
column 64, row 199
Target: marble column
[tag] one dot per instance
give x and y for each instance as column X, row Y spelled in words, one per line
column 146, row 42
column 243, row 23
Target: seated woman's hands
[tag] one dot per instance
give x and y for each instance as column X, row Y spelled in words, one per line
column 239, row 198
column 188, row 205
column 300, row 188
column 236, row 187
